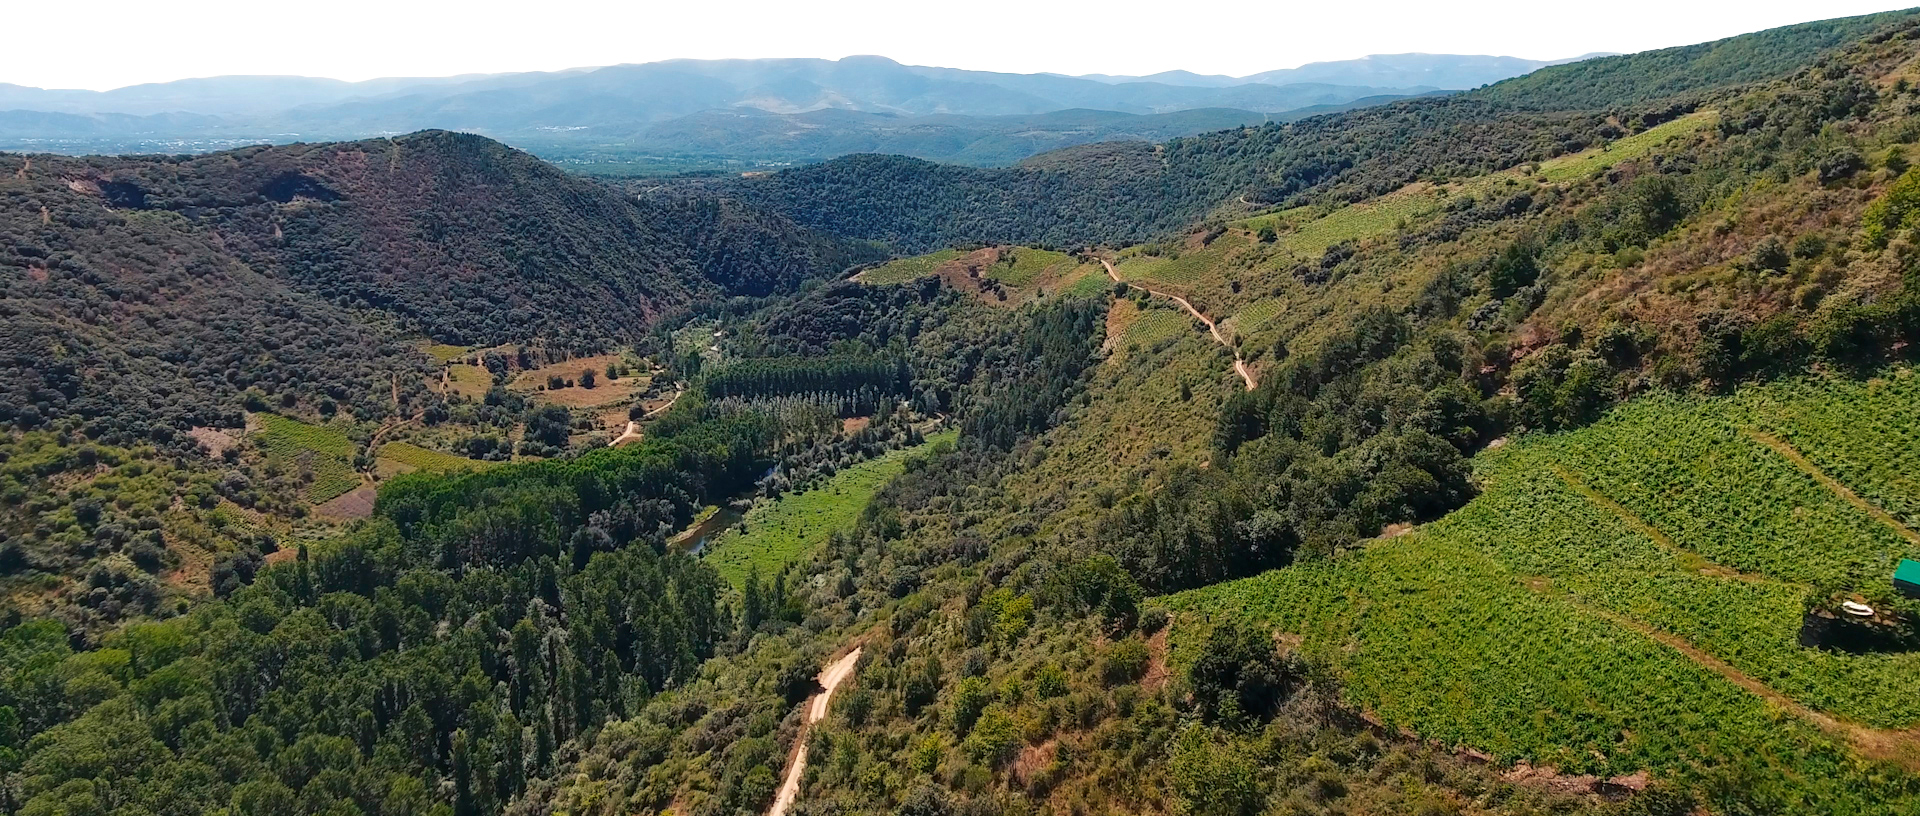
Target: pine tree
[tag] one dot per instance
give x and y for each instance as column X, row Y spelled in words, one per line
column 543, row 742
column 752, row 605
column 513, row 758
column 463, row 804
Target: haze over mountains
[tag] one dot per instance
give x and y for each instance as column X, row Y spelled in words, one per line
column 758, row 110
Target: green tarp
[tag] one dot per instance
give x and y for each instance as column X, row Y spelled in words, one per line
column 1906, row 577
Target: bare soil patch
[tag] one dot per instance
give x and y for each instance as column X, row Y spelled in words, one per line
column 1119, row 317
column 1157, row 671
column 216, row 441
column 353, row 504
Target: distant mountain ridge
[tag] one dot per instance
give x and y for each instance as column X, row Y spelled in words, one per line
column 720, row 111
column 1455, row 72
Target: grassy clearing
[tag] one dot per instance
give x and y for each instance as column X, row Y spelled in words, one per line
column 1524, row 623
column 322, row 454
column 776, row 534
column 432, row 461
column 902, row 270
column 605, row 391
column 470, row 381
column 443, row 353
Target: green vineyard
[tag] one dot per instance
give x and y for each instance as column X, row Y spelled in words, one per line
column 1631, row 596
column 322, row 451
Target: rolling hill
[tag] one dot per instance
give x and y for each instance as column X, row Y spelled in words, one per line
column 149, row 292
column 1530, row 450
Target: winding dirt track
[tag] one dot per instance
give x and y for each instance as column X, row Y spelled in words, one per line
column 830, row 679
column 632, row 432
column 633, row 427
column 1239, row 364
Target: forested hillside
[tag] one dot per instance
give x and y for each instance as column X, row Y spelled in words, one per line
column 1126, row 193
column 204, row 353
column 127, row 273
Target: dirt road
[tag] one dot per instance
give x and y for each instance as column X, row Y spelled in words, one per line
column 633, row 427
column 830, row 679
column 632, row 432
column 1239, row 365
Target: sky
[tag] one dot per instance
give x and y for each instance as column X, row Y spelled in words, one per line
column 102, row 44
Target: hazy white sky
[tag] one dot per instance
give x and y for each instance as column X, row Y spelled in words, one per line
column 102, row 44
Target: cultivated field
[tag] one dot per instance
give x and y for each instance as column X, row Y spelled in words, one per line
column 1631, row 596
column 325, row 452
column 415, row 457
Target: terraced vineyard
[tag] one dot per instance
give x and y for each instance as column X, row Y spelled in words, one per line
column 905, row 269
column 1581, row 165
column 1309, row 231
column 1184, row 271
column 1692, row 470
column 1029, row 264
column 323, row 451
column 1630, row 596
column 1863, row 434
column 1085, row 281
column 431, row 461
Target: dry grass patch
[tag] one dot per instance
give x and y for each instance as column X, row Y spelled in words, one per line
column 605, row 391
column 466, row 380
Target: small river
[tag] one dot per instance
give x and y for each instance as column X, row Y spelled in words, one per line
column 695, row 538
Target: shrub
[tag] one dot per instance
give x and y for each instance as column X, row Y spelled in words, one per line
column 995, row 737
column 970, row 699
column 1893, row 212
column 1212, row 779
column 1840, row 164
column 1125, row 661
column 1050, row 682
column 1241, row 672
